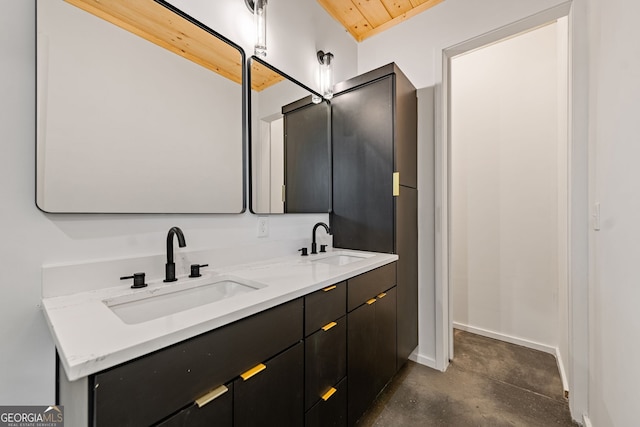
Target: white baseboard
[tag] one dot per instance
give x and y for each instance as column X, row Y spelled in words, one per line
column 507, row 338
column 586, row 422
column 423, row 360
column 563, row 374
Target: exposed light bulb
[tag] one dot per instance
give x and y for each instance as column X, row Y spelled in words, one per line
column 326, row 74
column 260, row 21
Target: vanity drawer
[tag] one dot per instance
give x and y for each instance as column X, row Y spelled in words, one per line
column 324, row 306
column 331, row 412
column 325, row 360
column 136, row 392
column 366, row 286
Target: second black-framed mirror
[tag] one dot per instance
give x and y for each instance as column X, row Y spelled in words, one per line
column 290, row 144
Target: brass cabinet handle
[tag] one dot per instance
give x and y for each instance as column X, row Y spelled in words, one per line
column 328, row 394
column 396, row 184
column 382, row 295
column 253, row 371
column 328, row 326
column 211, row 396
column 371, row 301
column 329, row 288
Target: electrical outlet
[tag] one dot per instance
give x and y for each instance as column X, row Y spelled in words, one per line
column 263, row 226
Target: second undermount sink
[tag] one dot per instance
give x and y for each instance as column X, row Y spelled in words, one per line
column 170, row 299
column 340, row 259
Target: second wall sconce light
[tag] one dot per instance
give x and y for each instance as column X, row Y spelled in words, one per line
column 259, row 9
column 326, row 74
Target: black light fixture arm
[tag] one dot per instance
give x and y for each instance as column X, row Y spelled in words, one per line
column 322, row 55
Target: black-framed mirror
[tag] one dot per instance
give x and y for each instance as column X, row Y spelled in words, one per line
column 125, row 125
column 290, row 144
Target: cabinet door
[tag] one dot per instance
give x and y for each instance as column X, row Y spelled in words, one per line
column 371, row 351
column 273, row 396
column 385, row 338
column 325, row 360
column 362, row 135
column 407, row 272
column 361, row 360
column 217, row 412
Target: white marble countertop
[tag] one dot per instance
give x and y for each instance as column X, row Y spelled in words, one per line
column 90, row 337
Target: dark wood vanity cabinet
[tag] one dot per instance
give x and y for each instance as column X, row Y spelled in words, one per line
column 371, row 334
column 319, row 360
column 375, row 196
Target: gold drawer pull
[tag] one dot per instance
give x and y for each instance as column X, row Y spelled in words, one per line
column 212, row 395
column 329, row 288
column 253, row 371
column 328, row 326
column 382, row 295
column 371, row 301
column 328, row 394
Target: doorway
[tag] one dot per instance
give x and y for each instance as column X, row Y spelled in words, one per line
column 579, row 176
column 508, row 197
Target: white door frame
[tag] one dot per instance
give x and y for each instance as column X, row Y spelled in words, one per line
column 578, row 192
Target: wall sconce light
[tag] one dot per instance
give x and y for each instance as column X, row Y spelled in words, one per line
column 259, row 10
column 326, row 74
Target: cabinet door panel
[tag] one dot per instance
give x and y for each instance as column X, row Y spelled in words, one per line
column 407, row 277
column 325, row 360
column 362, row 135
column 361, row 360
column 385, row 338
column 406, row 128
column 273, row 397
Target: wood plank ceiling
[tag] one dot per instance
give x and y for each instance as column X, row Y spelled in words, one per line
column 156, row 23
column 161, row 26
column 365, row 18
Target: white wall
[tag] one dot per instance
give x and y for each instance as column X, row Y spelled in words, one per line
column 614, row 372
column 422, row 40
column 31, row 238
column 506, row 139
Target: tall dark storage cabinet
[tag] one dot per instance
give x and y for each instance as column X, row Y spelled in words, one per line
column 374, row 146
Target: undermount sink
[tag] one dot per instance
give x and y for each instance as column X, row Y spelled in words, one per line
column 340, row 259
column 155, row 303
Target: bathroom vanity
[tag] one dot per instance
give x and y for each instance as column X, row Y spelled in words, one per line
column 312, row 343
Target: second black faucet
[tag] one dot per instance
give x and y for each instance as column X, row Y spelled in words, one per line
column 170, row 266
column 313, row 237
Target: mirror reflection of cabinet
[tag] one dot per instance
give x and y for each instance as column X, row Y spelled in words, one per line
column 290, row 144
column 128, row 125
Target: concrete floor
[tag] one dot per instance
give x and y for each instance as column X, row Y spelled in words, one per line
column 489, row 383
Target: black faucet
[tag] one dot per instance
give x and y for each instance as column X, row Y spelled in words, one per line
column 313, row 236
column 170, row 267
